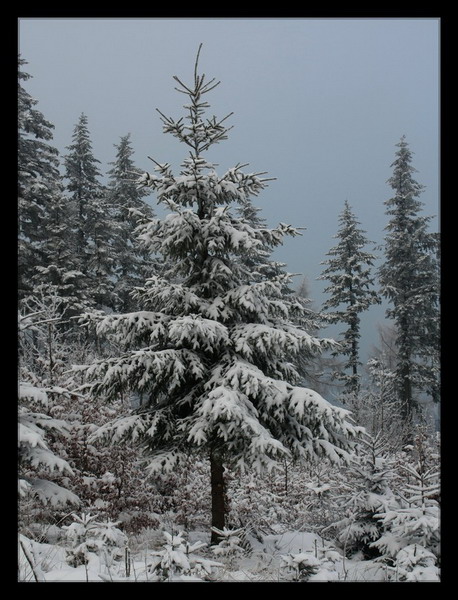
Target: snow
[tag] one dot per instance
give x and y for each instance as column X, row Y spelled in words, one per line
column 53, row 494
column 265, row 563
column 28, row 436
column 30, row 392
column 43, row 457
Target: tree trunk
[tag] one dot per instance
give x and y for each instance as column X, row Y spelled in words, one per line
column 353, row 322
column 406, row 396
column 407, row 405
column 218, row 495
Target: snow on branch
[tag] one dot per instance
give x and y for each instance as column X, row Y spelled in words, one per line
column 50, row 493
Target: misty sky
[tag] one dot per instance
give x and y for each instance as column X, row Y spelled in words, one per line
column 318, row 103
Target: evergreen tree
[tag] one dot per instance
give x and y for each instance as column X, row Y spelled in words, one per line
column 39, row 187
column 212, row 353
column 409, row 279
column 38, row 462
column 93, row 226
column 128, row 209
column 60, row 269
column 410, row 545
column 351, row 292
column 369, row 482
column 47, row 254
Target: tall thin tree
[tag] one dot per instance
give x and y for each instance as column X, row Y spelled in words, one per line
column 129, row 209
column 409, row 279
column 39, row 184
column 92, row 224
column 351, row 291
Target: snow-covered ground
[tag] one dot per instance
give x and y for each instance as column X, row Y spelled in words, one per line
column 278, row 557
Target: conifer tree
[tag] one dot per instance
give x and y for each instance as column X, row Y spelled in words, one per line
column 369, row 481
column 46, row 239
column 409, row 279
column 410, row 544
column 212, row 352
column 351, row 291
column 39, row 183
column 38, row 462
column 127, row 205
column 93, row 226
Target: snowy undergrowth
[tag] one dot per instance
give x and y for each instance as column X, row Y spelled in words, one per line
column 286, row 556
column 280, row 528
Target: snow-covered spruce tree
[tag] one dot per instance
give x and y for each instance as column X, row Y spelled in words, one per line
column 41, row 459
column 409, row 279
column 410, row 545
column 60, row 268
column 351, row 292
column 93, row 225
column 369, row 493
column 40, row 193
column 89, row 535
column 312, row 502
column 37, row 461
column 176, row 560
column 127, row 205
column 212, row 353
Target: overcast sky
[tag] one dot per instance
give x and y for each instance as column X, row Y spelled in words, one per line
column 318, row 103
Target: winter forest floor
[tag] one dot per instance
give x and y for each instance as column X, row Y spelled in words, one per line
column 265, row 562
column 301, row 524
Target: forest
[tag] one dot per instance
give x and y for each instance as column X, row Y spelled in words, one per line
column 175, row 417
